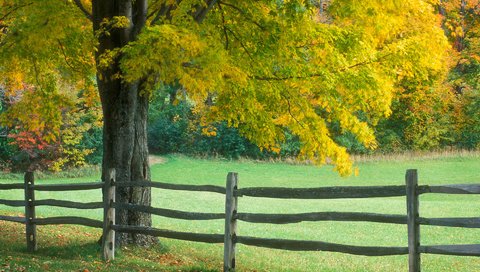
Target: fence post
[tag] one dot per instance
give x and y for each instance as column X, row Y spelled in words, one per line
column 30, row 227
column 230, row 223
column 108, row 237
column 411, row 180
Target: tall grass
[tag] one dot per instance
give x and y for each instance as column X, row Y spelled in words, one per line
column 418, row 155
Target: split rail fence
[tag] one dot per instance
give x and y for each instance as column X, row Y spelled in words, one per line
column 232, row 192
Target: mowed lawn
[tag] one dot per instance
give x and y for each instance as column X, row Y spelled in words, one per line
column 74, row 247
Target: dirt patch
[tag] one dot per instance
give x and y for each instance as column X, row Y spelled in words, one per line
column 156, row 160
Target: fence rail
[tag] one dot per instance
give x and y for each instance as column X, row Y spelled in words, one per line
column 170, row 186
column 411, row 190
column 455, row 189
column 320, row 216
column 464, row 222
column 305, row 245
column 13, row 203
column 322, row 192
column 12, row 186
column 169, row 213
column 16, row 219
column 68, row 187
column 186, row 236
column 68, row 220
column 456, row 250
column 68, row 204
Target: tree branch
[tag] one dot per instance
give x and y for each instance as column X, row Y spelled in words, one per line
column 243, row 13
column 279, row 78
column 35, row 69
column 379, row 59
column 84, row 10
column 198, row 15
column 290, row 110
column 241, row 43
column 154, row 11
column 139, row 15
column 223, row 25
column 164, row 10
column 62, row 48
column 202, row 11
column 13, row 10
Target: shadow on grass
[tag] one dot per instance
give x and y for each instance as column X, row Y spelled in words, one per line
column 197, row 269
column 83, row 251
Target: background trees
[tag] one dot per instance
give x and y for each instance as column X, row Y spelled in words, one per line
column 461, row 22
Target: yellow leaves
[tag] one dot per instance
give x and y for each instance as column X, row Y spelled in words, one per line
column 109, row 24
column 282, row 120
column 457, row 32
column 165, row 54
column 209, row 131
column 13, row 78
column 164, row 51
column 207, row 128
column 107, row 58
column 43, row 38
column 319, row 148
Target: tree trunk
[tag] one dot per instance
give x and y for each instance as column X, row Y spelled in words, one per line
column 124, row 114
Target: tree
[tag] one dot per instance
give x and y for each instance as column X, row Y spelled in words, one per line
column 265, row 67
column 47, row 127
column 461, row 23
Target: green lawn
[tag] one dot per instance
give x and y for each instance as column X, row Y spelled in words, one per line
column 191, row 256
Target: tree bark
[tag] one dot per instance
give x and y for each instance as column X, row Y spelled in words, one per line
column 124, row 114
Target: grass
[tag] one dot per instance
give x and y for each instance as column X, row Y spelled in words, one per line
column 75, row 248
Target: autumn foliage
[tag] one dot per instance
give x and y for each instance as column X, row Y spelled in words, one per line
column 330, row 77
column 47, row 128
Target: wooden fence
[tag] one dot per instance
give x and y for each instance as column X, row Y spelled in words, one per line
column 231, row 216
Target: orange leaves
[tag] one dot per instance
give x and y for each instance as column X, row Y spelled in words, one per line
column 29, row 140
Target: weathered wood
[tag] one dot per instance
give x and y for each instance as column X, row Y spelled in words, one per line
column 15, row 219
column 323, row 192
column 169, row 213
column 231, row 207
column 411, row 181
column 170, row 186
column 321, row 216
column 108, row 237
column 11, row 186
column 30, row 228
column 69, row 220
column 455, row 189
column 68, row 187
column 303, row 245
column 12, row 203
column 461, row 222
column 186, row 236
column 68, row 204
column 456, row 250
column 231, row 203
column 422, row 189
